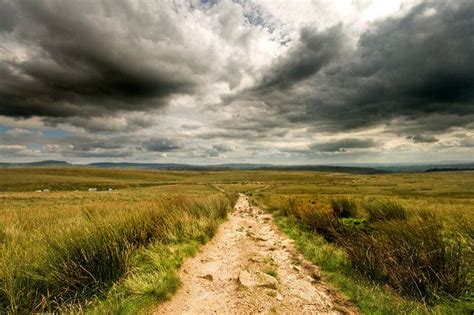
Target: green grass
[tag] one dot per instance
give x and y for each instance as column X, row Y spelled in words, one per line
column 65, row 251
column 152, row 278
column 271, row 272
column 389, row 253
column 369, row 297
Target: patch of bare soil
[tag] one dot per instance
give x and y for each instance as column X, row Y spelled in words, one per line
column 251, row 267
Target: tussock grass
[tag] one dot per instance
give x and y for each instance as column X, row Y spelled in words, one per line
column 344, row 208
column 412, row 253
column 382, row 210
column 77, row 263
column 414, row 258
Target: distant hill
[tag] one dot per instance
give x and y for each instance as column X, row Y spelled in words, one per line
column 427, row 167
column 328, row 168
column 164, row 166
column 48, row 163
column 348, row 168
column 177, row 166
column 458, row 169
column 190, row 167
column 241, row 166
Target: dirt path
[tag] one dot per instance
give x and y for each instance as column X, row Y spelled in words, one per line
column 251, row 267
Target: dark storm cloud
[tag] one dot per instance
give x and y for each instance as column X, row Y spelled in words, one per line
column 420, row 64
column 88, row 58
column 413, row 71
column 342, row 145
column 313, row 51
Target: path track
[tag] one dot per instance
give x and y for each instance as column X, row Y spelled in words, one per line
column 251, row 267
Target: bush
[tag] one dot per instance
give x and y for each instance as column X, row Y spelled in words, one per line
column 385, row 210
column 343, row 208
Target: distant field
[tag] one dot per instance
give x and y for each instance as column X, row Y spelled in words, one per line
column 153, row 219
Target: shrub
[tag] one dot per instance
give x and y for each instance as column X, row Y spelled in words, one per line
column 343, row 208
column 385, row 210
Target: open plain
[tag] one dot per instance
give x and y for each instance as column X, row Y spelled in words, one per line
column 124, row 247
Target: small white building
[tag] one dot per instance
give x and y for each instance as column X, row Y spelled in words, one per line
column 92, row 189
column 46, row 190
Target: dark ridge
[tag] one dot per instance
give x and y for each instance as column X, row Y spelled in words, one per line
column 433, row 170
column 47, row 163
column 353, row 169
column 190, row 167
column 326, row 168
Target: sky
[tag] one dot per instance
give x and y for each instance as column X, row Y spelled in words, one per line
column 243, row 81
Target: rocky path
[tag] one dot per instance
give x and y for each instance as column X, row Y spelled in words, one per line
column 250, row 267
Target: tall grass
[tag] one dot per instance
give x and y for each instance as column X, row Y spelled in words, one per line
column 410, row 253
column 382, row 210
column 343, row 208
column 82, row 261
column 415, row 258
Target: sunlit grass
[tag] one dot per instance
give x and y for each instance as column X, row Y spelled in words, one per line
column 70, row 250
column 403, row 250
column 152, row 220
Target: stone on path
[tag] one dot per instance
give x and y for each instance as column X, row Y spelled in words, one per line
column 255, row 278
column 207, row 277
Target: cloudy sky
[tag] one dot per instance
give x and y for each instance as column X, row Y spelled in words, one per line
column 260, row 81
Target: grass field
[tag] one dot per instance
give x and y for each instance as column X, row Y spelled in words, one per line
column 118, row 251
column 397, row 243
column 106, row 251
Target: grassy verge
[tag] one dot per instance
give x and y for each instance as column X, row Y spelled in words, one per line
column 152, row 278
column 109, row 262
column 371, row 297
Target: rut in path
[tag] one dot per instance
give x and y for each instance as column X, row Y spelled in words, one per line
column 251, row 267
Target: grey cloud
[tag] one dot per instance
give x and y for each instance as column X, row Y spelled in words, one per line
column 11, row 149
column 423, row 139
column 466, row 141
column 83, row 63
column 106, row 123
column 22, row 142
column 313, row 51
column 99, row 153
column 224, row 147
column 415, row 70
column 162, row 145
column 190, row 126
column 343, row 145
column 214, row 151
column 93, row 146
